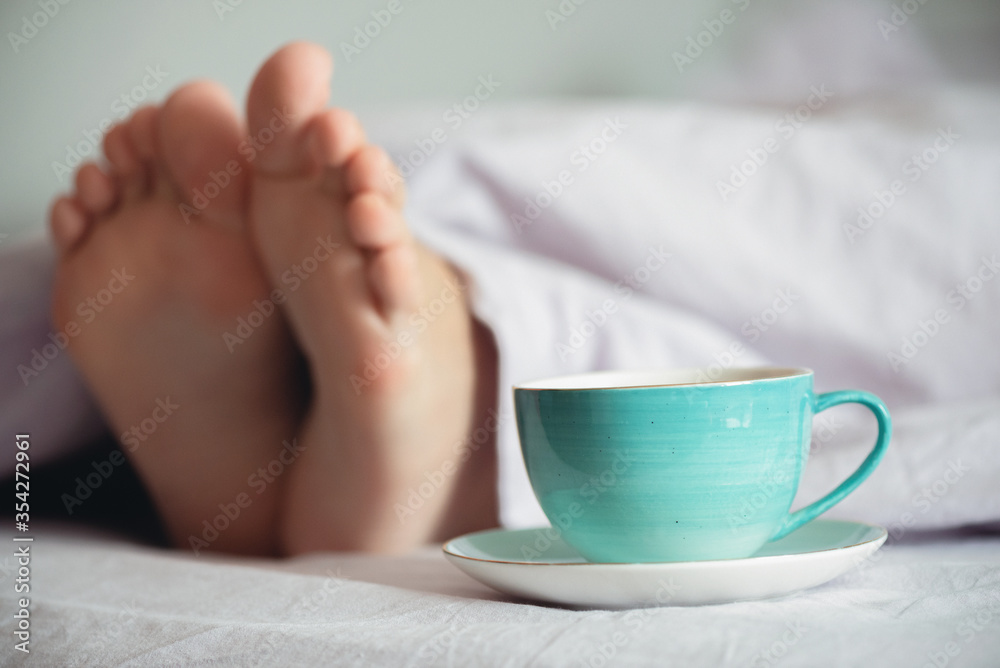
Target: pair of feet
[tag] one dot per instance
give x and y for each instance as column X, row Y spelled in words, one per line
column 236, row 296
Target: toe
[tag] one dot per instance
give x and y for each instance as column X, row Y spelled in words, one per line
column 141, row 129
column 373, row 224
column 288, row 91
column 68, row 223
column 371, row 169
column 395, row 280
column 128, row 169
column 95, row 191
column 118, row 150
column 199, row 140
column 335, row 137
column 376, row 227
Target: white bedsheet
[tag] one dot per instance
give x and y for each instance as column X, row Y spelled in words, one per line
column 98, row 601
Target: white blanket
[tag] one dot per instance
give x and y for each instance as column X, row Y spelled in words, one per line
column 102, row 602
column 865, row 246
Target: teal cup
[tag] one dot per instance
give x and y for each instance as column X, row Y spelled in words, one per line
column 674, row 465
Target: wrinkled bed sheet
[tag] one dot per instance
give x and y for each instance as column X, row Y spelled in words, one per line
column 98, row 600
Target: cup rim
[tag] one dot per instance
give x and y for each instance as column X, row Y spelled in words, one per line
column 687, row 377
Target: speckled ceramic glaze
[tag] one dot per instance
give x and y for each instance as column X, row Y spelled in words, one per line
column 672, row 466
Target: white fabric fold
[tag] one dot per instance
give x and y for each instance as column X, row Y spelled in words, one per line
column 863, row 247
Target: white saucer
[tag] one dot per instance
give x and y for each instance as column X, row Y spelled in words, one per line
column 509, row 561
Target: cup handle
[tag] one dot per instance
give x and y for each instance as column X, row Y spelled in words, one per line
column 820, row 403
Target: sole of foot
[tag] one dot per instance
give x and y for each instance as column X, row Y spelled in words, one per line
column 396, row 393
column 156, row 272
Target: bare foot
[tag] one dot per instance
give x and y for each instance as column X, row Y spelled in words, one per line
column 394, row 391
column 154, row 302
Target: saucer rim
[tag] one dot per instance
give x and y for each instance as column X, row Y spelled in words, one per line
column 883, row 534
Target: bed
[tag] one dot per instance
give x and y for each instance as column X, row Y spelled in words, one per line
column 104, row 600
column 863, row 288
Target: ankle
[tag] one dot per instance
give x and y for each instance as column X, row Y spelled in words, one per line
column 473, row 504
